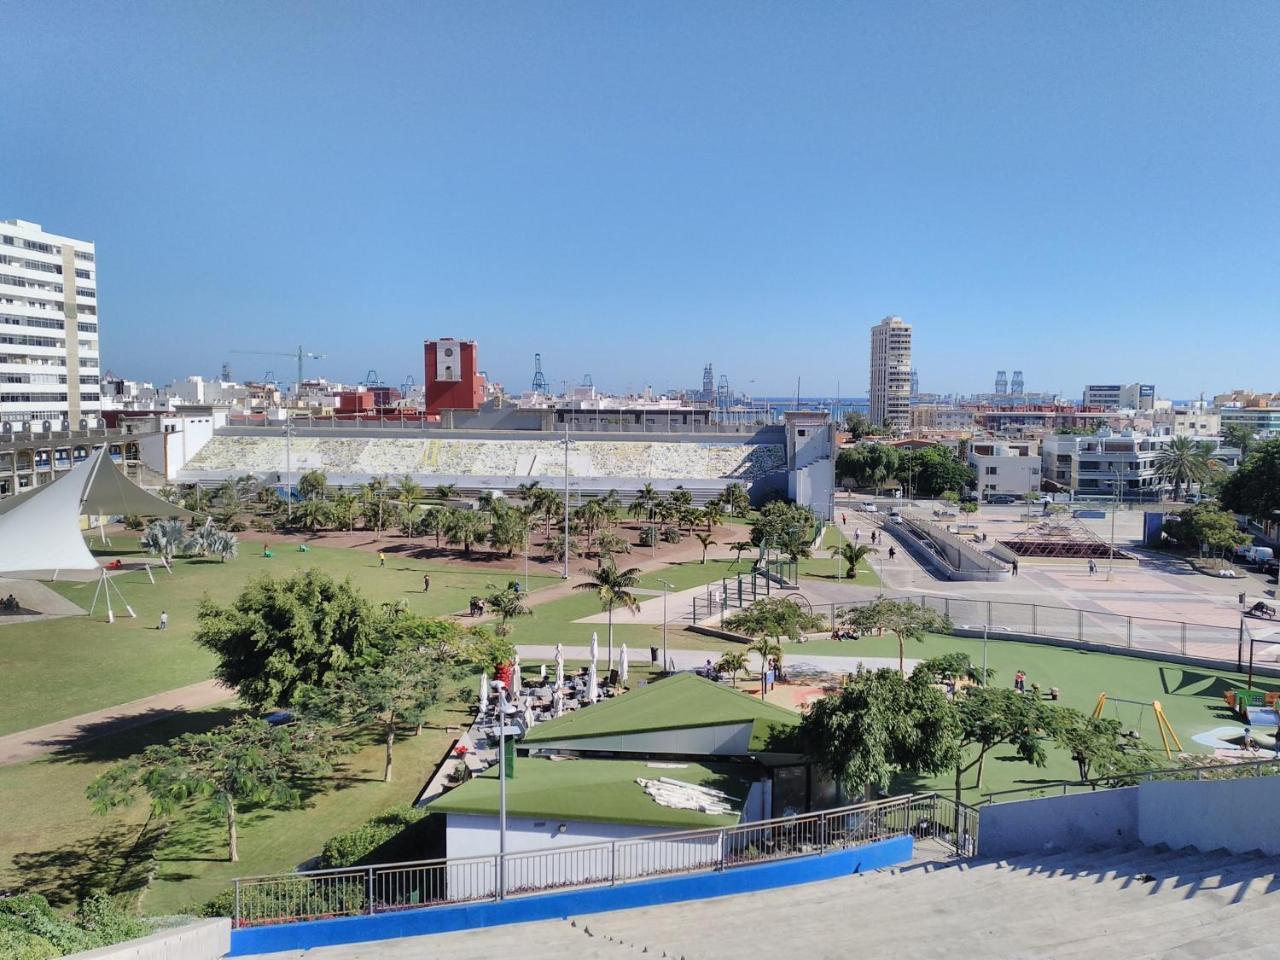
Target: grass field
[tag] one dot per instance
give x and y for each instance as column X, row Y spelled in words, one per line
column 60, row 668
column 54, row 844
column 826, row 567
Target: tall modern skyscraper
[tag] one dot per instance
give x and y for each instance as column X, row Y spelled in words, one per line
column 891, row 372
column 49, row 367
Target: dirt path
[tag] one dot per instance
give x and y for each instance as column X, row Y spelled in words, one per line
column 38, row 741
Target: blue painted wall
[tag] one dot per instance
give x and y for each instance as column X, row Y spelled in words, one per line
column 414, row 923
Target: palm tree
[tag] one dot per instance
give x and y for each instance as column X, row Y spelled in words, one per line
column 408, row 492
column 706, row 541
column 1184, row 461
column 739, row 547
column 1239, row 436
column 612, row 503
column 445, row 492
column 732, row 663
column 736, row 499
column 607, row 544
column 527, row 491
column 375, row 496
column 342, row 511
column 507, row 604
column 508, row 529
column 465, row 528
column 550, row 505
column 591, row 515
column 229, row 493
column 764, row 648
column 853, row 554
column 435, row 520
column 713, row 513
column 613, row 587
column 313, row 513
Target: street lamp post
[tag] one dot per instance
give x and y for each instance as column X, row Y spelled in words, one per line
column 565, row 574
column 1115, row 507
column 665, row 587
column 288, row 471
column 505, row 710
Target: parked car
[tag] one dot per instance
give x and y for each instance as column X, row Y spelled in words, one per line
column 868, row 508
column 1003, row 498
column 1258, row 556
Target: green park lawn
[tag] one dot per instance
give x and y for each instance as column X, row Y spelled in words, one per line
column 826, row 567
column 54, row 669
column 54, row 844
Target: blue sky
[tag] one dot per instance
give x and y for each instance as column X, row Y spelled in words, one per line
column 1084, row 191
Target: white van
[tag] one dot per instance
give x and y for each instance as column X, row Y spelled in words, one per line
column 1255, row 555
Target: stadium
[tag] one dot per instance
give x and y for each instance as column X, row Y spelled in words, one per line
column 764, row 463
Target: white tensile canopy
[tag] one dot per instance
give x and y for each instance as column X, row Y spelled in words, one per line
column 40, row 528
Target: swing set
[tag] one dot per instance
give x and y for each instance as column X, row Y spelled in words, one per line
column 1163, row 726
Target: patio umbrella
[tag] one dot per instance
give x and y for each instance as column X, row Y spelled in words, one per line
column 542, row 671
column 557, row 704
column 559, row 667
column 515, row 678
column 622, row 664
column 484, row 691
column 593, row 687
column 595, row 648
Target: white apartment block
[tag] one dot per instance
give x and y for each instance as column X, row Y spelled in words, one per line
column 891, row 373
column 49, row 366
column 1120, row 396
column 1006, row 467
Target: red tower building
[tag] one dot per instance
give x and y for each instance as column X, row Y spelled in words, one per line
column 452, row 376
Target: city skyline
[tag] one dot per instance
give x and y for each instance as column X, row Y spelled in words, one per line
column 633, row 193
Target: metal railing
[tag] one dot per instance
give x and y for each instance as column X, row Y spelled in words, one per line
column 1071, row 625
column 1208, row 771
column 387, row 888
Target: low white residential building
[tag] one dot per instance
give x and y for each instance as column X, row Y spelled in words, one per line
column 1006, row 467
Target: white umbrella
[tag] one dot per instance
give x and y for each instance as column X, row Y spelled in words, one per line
column 559, row 667
column 557, row 703
column 542, row 671
column 484, row 691
column 593, row 687
column 622, row 664
column 515, row 678
column 595, row 648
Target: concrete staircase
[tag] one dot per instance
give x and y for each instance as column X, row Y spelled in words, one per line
column 1137, row 902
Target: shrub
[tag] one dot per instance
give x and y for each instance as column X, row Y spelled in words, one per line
column 20, row 945
column 30, row 914
column 263, row 525
column 356, row 846
column 106, row 921
column 646, row 537
column 672, row 535
column 133, row 522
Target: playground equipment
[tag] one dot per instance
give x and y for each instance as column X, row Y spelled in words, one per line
column 1163, row 725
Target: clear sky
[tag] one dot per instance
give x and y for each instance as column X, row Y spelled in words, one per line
column 1089, row 192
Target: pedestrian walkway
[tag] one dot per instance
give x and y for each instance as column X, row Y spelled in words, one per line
column 39, row 741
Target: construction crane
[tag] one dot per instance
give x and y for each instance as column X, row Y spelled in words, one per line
column 299, row 355
column 539, row 381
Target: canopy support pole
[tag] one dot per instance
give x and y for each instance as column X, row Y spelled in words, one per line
column 103, row 590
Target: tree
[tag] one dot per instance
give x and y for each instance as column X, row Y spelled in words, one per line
column 550, row 505
column 613, row 588
column 342, row 511
column 736, row 500
column 1254, row 489
column 992, row 716
column 858, row 425
column 435, row 520
column 775, row 618
column 312, row 514
column 375, row 501
column 739, row 547
column 312, row 484
column 706, row 540
column 464, row 528
column 1101, row 748
column 867, row 465
column 508, row 529
column 559, row 545
column 853, row 554
column 163, row 538
column 591, row 515
column 409, row 492
column 248, row 761
column 398, row 687
column 1184, row 462
column 607, row 544
column 931, row 471
column 969, row 506
column 713, row 513
column 444, row 492
column 1239, row 436
column 904, row 619
column 764, row 648
column 1206, row 529
column 733, row 663
column 507, row 604
column 781, row 522
column 282, row 635
column 526, row 491
column 880, row 724
column 951, row 666
column 224, row 544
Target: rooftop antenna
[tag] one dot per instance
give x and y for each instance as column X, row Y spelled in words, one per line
column 539, row 381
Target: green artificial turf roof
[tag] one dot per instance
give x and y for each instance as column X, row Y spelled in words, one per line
column 602, row 791
column 675, row 703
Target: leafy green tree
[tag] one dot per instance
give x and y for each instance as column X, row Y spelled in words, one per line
column 951, row 666
column 507, row 605
column 775, row 618
column 733, row 663
column 736, row 500
column 880, row 724
column 1254, row 488
column 465, row 528
column 312, row 514
column 613, row 588
column 1101, row 748
column 932, row 470
column 551, row 506
column 853, row 554
column 282, row 635
column 508, row 528
column 312, row 484
column 374, row 506
column 487, row 650
column 858, row 425
column 435, row 520
column 994, row 716
column 1184, row 462
column 781, row 523
column 706, row 540
column 1239, row 436
column 969, row 506
column 1206, row 529
column 342, row 511
column 591, row 515
column 395, row 689
column 867, row 465
column 409, row 492
column 904, row 619
column 246, row 762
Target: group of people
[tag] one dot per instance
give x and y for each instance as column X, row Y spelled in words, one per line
column 876, row 536
column 477, row 606
column 10, row 604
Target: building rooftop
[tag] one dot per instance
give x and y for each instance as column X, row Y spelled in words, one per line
column 600, row 791
column 680, row 702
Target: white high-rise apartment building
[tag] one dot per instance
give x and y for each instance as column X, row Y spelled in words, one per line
column 891, row 373
column 49, row 367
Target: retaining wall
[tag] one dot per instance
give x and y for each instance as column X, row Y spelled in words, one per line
column 202, row 940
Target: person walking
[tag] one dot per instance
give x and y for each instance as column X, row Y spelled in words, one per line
column 426, row 583
column 857, row 534
column 1093, row 568
column 1015, row 567
column 892, row 553
column 382, row 559
column 164, row 620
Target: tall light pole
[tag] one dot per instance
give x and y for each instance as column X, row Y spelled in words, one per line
column 565, row 574
column 526, row 559
column 505, row 710
column 1115, row 507
column 665, row 587
column 288, row 470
